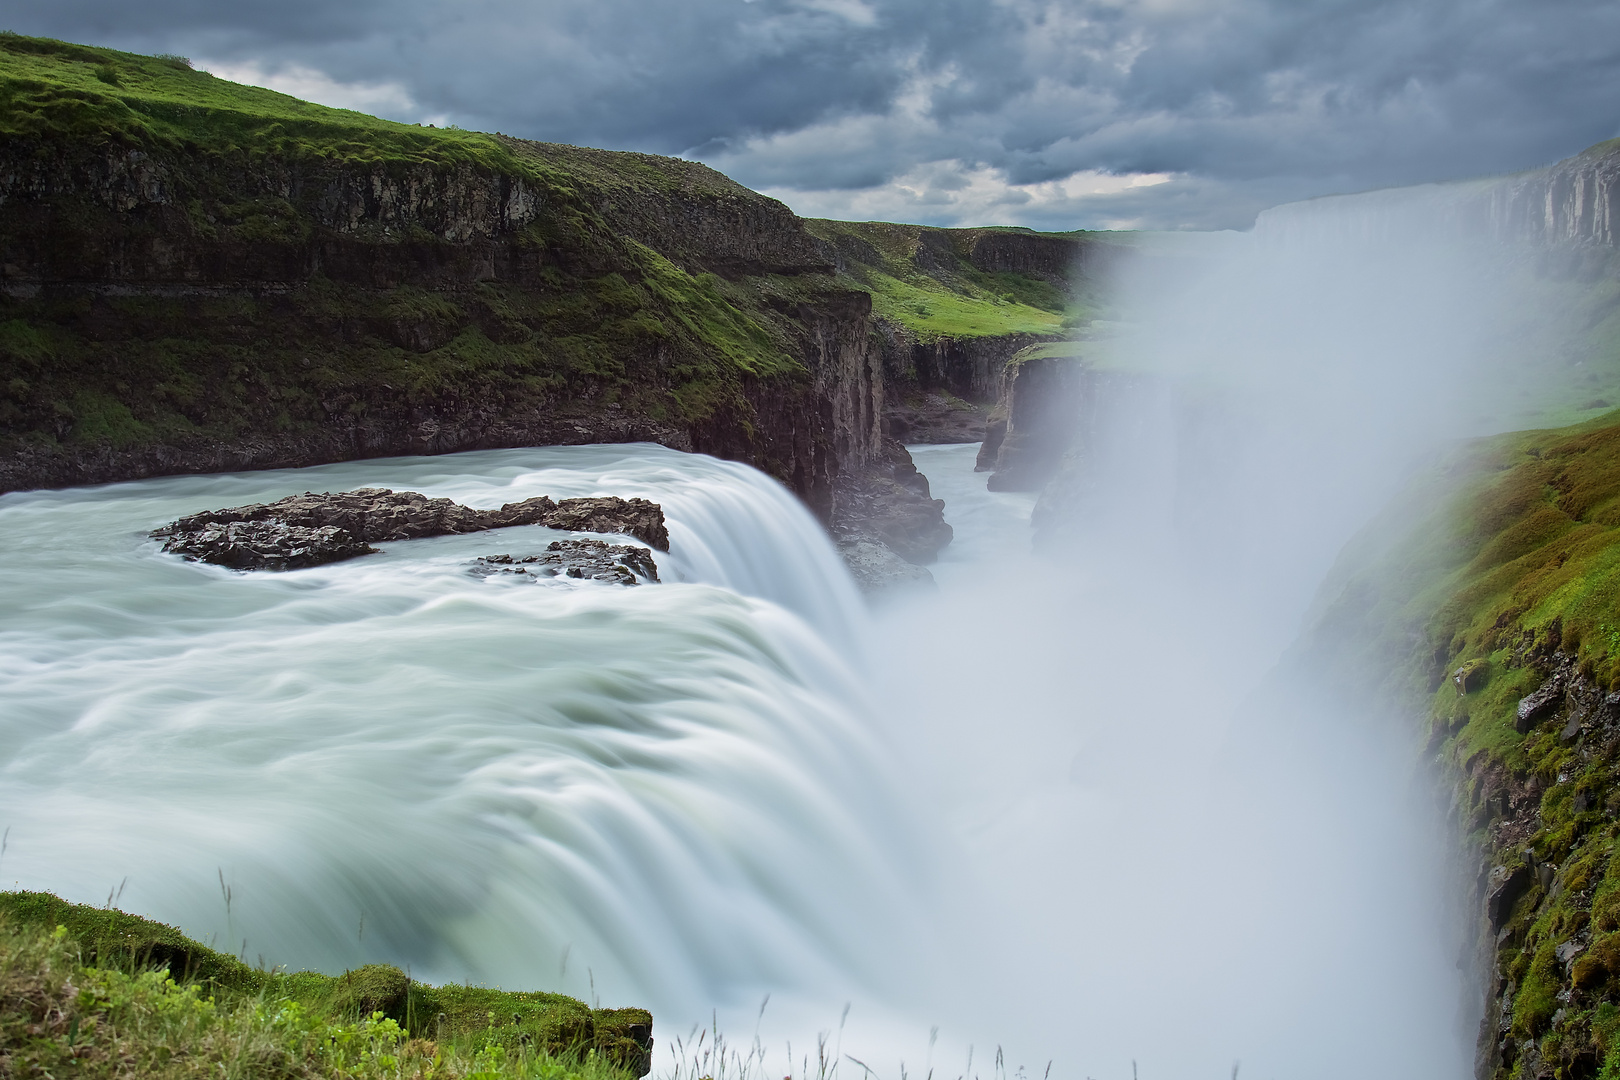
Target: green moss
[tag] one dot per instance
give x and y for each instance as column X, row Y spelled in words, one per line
column 470, row 1018
column 116, row 939
column 1537, row 999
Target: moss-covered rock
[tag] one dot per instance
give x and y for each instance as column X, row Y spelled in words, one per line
column 468, row 1016
column 115, row 939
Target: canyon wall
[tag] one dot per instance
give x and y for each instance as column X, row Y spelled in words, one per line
column 1574, row 201
column 172, row 312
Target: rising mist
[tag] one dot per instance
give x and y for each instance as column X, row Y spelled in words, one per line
column 1172, row 851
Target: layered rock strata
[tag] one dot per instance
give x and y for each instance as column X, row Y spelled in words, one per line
column 944, row 390
column 201, row 316
column 888, row 508
column 1575, row 201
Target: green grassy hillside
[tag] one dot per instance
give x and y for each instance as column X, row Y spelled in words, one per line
column 94, row 992
column 927, row 281
column 54, row 91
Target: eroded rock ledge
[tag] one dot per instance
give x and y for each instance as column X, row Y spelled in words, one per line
column 886, row 523
column 314, row 529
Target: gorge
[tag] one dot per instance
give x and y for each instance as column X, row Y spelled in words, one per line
column 1205, row 748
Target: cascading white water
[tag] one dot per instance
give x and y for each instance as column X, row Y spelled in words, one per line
column 668, row 791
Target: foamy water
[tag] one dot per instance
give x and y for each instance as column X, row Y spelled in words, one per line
column 662, row 795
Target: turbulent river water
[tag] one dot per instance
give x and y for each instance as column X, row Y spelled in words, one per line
column 667, row 791
column 983, row 816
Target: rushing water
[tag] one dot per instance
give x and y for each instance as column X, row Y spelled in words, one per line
column 990, row 809
column 662, row 794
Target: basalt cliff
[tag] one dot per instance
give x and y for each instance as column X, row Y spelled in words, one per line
column 200, row 276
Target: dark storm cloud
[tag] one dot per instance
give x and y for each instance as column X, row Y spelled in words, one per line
column 1244, row 100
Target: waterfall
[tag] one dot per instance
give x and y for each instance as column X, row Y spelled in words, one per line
column 665, row 795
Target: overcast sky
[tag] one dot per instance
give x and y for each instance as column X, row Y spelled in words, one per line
column 1061, row 114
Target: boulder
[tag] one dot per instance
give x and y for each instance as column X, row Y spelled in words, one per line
column 1503, row 888
column 629, row 517
column 266, row 545
column 1535, row 705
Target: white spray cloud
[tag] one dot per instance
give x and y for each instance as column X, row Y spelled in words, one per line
column 1173, row 852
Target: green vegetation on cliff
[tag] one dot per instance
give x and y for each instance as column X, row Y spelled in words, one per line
column 945, row 282
column 197, row 275
column 185, row 262
column 96, row 992
column 1492, row 593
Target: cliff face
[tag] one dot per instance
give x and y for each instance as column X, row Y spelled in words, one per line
column 176, row 308
column 201, row 276
column 1574, row 201
column 953, row 306
column 970, row 368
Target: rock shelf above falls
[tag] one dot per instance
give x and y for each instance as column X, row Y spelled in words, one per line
column 312, row 530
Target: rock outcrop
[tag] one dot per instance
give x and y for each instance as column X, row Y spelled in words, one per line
column 595, row 560
column 889, row 503
column 1522, row 888
column 311, row 530
column 264, row 545
column 877, row 570
column 1576, row 201
column 1044, row 412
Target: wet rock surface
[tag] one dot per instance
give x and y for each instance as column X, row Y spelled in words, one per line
column 265, row 545
column 877, row 569
column 1539, row 703
column 630, row 517
column 593, row 560
column 314, row 529
column 888, row 506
